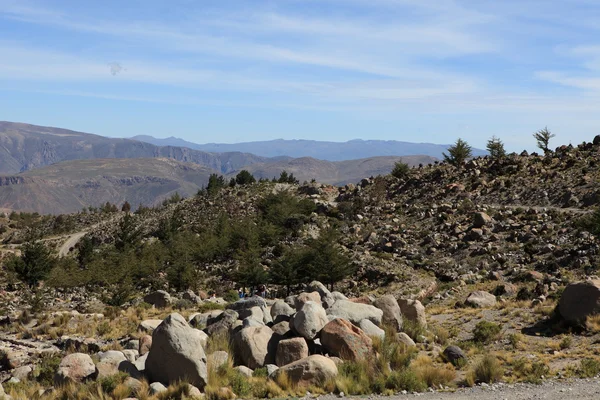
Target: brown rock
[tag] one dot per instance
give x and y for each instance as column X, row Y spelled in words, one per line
column 304, row 298
column 291, row 350
column 145, row 344
column 344, row 340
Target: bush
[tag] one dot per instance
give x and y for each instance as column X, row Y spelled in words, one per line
column 46, row 370
column 458, row 153
column 485, row 332
column 34, row 264
column 487, row 370
column 405, row 379
column 588, row 368
column 400, row 170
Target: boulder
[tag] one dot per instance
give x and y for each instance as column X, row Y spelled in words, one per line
column 177, row 353
column 481, row 219
column 371, row 330
column 222, row 323
column 454, row 355
column 392, row 315
column 281, row 311
column 159, row 299
column 355, row 312
column 253, row 312
column 245, row 371
column 145, row 344
column 342, row 339
column 282, row 329
column 338, row 296
column 249, row 322
column 413, row 310
column 291, row 350
column 22, row 373
column 156, row 388
column 309, row 320
column 579, row 301
column 109, row 362
column 192, row 297
column 405, row 339
column 149, row 325
column 131, row 355
column 248, row 302
column 200, row 320
column 75, row 367
column 255, row 347
column 327, row 299
column 218, row 358
column 305, row 297
column 312, row 370
column 480, row 299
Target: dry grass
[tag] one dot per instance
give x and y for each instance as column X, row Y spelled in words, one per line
column 592, row 323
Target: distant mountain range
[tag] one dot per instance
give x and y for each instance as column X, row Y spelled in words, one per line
column 52, row 170
column 330, row 151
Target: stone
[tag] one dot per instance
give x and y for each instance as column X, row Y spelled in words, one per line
column 405, row 339
column 309, row 321
column 131, row 355
column 371, row 330
column 480, row 299
column 221, row 324
column 22, row 373
column 282, row 329
column 189, row 295
column 255, row 347
column 249, row 322
column 281, row 311
column 338, row 296
column 149, row 325
column 159, row 299
column 312, row 370
column 109, row 362
column 145, row 344
column 356, row 312
column 134, row 384
column 413, row 310
column 392, row 315
column 253, row 312
column 200, row 320
column 75, row 367
column 156, row 388
column 327, row 299
column 271, row 369
column 305, row 297
column 342, row 339
column 133, row 344
column 579, row 301
column 248, row 302
column 218, row 358
column 481, row 219
column 454, row 355
column 290, row 350
column 177, row 353
column 193, row 392
column 242, row 369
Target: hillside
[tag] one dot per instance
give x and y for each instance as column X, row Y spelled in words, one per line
column 323, row 150
column 69, row 186
column 334, row 173
column 24, row 147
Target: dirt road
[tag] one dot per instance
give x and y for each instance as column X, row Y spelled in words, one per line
column 71, row 242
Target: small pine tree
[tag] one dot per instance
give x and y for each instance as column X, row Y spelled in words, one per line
column 34, row 264
column 459, row 152
column 128, row 234
column 126, row 207
column 496, row 148
column 542, row 138
column 244, row 178
column 401, row 170
column 215, row 183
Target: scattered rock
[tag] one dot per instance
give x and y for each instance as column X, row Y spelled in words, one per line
column 579, row 301
column 454, row 355
column 480, row 299
column 75, row 367
column 342, row 339
column 159, row 299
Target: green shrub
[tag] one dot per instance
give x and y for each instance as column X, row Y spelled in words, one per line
column 109, row 383
column 413, row 329
column 405, row 379
column 588, row 368
column 400, row 170
column 45, row 372
column 231, row 296
column 486, row 331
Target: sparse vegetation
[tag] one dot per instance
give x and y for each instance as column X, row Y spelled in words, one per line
column 458, row 153
column 542, row 138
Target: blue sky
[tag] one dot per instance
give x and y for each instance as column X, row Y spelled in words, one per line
column 231, row 70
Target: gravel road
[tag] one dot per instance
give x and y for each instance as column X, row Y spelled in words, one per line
column 585, row 389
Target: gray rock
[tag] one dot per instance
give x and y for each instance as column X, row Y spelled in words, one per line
column 247, row 372
column 481, row 219
column 327, row 299
column 305, row 297
column 281, row 309
column 356, row 312
column 149, row 325
column 371, row 330
column 255, row 347
column 253, row 312
column 454, row 355
column 156, row 388
column 405, row 339
column 177, row 353
column 75, row 367
column 218, row 358
column 392, row 315
column 309, row 321
column 221, row 324
column 481, row 299
column 413, row 310
column 200, row 320
column 159, row 299
column 579, row 301
column 312, row 370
